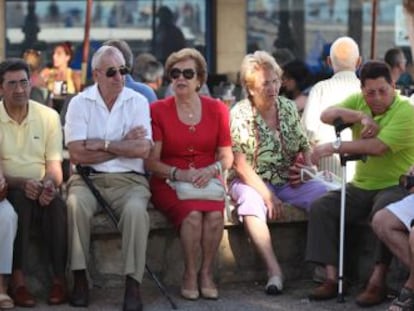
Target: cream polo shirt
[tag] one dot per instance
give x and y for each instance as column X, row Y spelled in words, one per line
column 26, row 147
column 89, row 118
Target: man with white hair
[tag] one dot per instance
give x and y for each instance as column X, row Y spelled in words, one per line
column 108, row 131
column 344, row 58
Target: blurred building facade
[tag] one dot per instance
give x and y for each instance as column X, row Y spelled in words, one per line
column 223, row 30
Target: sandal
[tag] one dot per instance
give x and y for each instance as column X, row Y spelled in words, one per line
column 274, row 286
column 6, row 302
column 404, row 301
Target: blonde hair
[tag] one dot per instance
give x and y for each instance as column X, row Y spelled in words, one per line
column 188, row 53
column 254, row 62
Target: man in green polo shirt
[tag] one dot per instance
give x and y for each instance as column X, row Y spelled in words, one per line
column 383, row 129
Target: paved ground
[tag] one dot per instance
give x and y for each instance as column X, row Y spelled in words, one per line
column 233, row 297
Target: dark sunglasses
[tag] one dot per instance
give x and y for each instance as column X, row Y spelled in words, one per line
column 187, row 73
column 111, row 71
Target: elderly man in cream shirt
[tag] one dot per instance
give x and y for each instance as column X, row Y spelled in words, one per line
column 344, row 58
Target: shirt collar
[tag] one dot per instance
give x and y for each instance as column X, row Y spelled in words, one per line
column 92, row 93
column 4, row 116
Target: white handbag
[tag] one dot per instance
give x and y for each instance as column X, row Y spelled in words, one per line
column 214, row 190
column 329, row 179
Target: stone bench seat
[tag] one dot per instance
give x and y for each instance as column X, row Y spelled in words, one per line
column 236, row 258
column 102, row 225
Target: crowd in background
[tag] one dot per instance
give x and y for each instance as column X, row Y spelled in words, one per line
column 265, row 136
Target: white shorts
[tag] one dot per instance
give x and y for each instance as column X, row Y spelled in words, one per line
column 403, row 210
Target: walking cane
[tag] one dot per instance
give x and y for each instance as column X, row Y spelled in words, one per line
column 107, row 208
column 339, row 127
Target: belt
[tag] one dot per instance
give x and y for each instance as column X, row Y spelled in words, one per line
column 91, row 171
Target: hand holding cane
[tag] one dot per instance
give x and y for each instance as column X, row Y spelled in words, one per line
column 339, row 127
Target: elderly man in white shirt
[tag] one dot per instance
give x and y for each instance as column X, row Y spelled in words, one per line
column 344, row 58
column 108, row 129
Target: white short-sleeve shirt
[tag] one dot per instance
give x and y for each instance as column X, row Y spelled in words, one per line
column 89, row 118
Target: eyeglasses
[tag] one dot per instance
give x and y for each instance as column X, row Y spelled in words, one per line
column 381, row 92
column 111, row 71
column 187, row 73
column 12, row 84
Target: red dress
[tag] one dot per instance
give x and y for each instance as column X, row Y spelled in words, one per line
column 187, row 146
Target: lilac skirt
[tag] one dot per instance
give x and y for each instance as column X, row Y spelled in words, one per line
column 250, row 203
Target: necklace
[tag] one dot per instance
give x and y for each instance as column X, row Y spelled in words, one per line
column 189, row 115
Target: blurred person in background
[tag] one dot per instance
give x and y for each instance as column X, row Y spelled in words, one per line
column 60, row 79
column 168, row 37
column 39, row 91
column 139, row 87
column 395, row 58
column 344, row 59
column 296, row 83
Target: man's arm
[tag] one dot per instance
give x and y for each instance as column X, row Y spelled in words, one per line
column 93, row 151
column 80, row 154
column 330, row 114
column 53, row 172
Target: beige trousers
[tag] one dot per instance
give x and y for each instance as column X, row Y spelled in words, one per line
column 128, row 195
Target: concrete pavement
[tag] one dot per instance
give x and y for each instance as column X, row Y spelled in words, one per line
column 233, row 297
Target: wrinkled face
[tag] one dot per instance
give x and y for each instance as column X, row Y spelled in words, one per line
column 110, row 74
column 266, row 86
column 15, row 88
column 378, row 94
column 183, row 77
column 60, row 58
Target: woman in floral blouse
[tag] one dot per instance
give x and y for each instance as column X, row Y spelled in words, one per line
column 268, row 141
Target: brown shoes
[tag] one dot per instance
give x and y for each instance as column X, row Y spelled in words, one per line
column 57, row 294
column 22, row 297
column 372, row 295
column 327, row 290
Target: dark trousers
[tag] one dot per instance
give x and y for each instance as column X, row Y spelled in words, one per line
column 323, row 225
column 50, row 221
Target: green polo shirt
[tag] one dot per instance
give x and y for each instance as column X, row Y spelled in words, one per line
column 397, row 132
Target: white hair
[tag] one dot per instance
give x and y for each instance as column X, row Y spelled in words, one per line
column 344, row 54
column 103, row 51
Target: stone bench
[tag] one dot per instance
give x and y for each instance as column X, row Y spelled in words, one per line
column 236, row 260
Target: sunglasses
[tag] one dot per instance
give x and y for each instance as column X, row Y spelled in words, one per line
column 111, row 71
column 187, row 73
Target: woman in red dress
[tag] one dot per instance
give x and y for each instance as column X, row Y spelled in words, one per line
column 192, row 139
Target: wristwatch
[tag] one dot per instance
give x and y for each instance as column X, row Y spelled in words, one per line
column 336, row 144
column 107, row 142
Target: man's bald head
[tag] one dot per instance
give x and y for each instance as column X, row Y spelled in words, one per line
column 344, row 54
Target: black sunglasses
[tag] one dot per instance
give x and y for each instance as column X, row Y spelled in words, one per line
column 111, row 71
column 187, row 73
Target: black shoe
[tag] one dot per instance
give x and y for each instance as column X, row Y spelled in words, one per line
column 80, row 293
column 132, row 297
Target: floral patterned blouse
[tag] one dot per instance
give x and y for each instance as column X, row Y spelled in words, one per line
column 269, row 152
